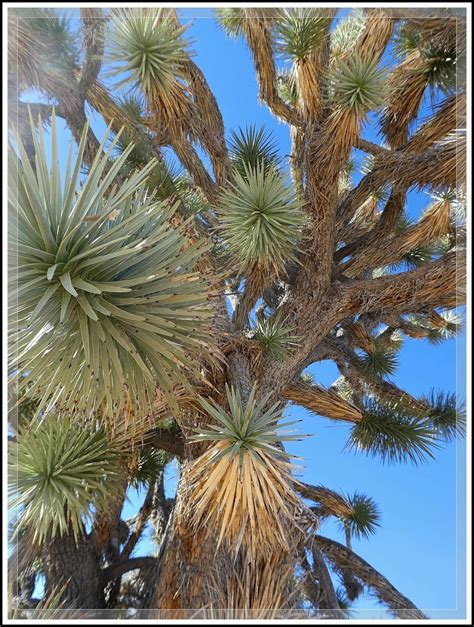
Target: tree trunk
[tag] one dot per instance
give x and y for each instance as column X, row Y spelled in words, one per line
column 192, row 580
column 73, row 567
column 187, row 566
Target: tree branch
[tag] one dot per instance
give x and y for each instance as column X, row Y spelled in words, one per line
column 328, row 598
column 323, row 402
column 258, row 39
column 117, row 570
column 355, row 374
column 330, row 503
column 342, row 558
column 93, row 31
column 440, row 283
column 370, row 147
column 139, row 524
column 188, row 156
column 170, row 440
column 451, row 115
column 443, row 165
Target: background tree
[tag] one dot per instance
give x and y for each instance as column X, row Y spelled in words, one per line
column 160, row 313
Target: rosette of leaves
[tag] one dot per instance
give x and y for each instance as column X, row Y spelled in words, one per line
column 394, row 433
column 357, row 85
column 346, row 33
column 252, row 146
column 447, row 418
column 274, row 336
column 43, row 47
column 299, row 32
column 147, row 48
column 440, row 57
column 242, row 485
column 436, row 334
column 231, row 18
column 148, row 464
column 59, row 468
column 103, row 292
column 362, row 518
column 286, row 85
column 383, row 360
column 260, row 219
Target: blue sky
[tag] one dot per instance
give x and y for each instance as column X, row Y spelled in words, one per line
column 420, row 545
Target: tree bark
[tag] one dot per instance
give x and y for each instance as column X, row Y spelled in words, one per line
column 73, row 569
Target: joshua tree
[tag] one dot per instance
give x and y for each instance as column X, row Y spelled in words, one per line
column 160, row 313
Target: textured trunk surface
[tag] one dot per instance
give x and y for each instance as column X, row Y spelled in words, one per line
column 192, row 580
column 74, row 568
column 187, row 565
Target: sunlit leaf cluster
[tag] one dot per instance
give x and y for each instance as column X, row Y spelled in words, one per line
column 104, row 296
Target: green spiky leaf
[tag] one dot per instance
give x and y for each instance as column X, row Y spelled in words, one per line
column 447, row 418
column 435, row 335
column 42, row 46
column 347, row 31
column 363, row 520
column 147, row 47
column 299, row 32
column 59, row 468
column 103, row 291
column 230, row 18
column 387, row 430
column 286, row 85
column 307, row 377
column 251, row 427
column 382, row 360
column 357, row 85
column 150, row 462
column 250, row 147
column 344, row 602
column 274, row 336
column 260, row 219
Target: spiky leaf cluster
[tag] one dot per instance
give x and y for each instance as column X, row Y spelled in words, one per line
column 307, row 377
column 252, row 428
column 260, row 219
column 242, row 486
column 146, row 46
column 149, row 463
column 416, row 257
column 457, row 203
column 251, row 147
column 446, row 417
column 286, row 86
column 103, row 293
column 437, row 334
column 165, row 175
column 357, row 84
column 274, row 336
column 42, row 47
column 440, row 57
column 364, row 517
column 346, row 33
column 230, row 18
column 441, row 66
column 59, row 468
column 383, row 359
column 299, row 32
column 391, row 432
column 344, row 602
